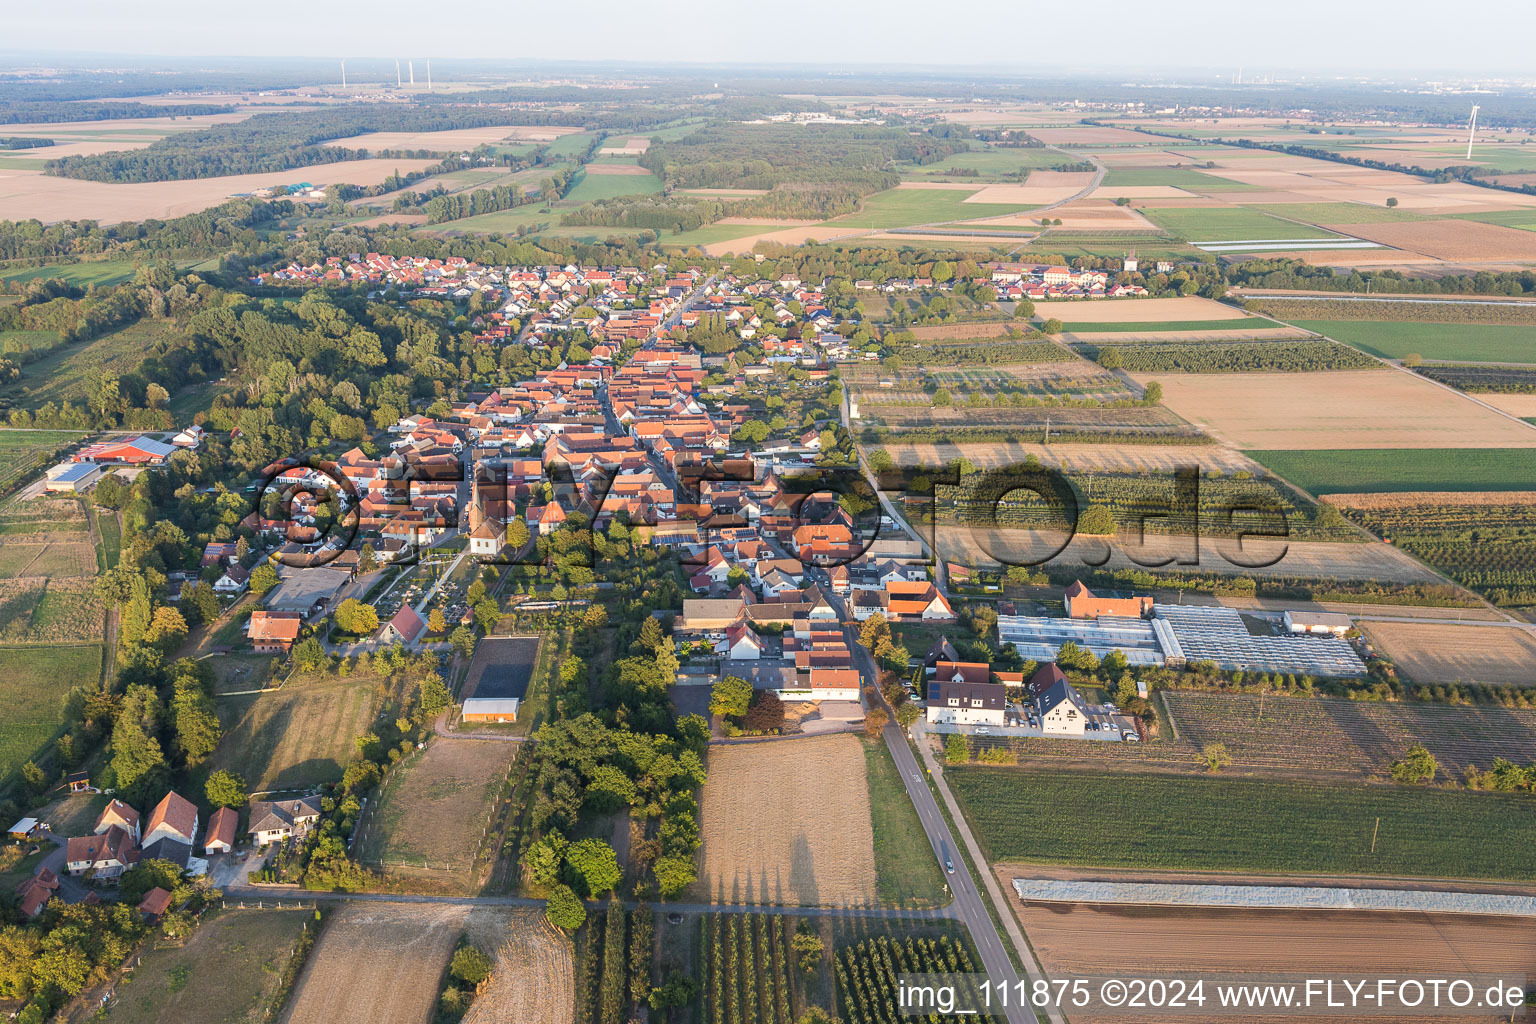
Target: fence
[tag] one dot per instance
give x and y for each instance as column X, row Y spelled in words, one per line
column 264, row 903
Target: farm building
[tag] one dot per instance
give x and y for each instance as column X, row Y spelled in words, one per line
column 1039, row 638
column 1083, row 603
column 1318, row 622
column 133, row 451
column 71, row 477
column 274, row 632
column 498, row 678
column 1221, row 636
column 307, row 591
column 33, row 894
column 221, row 831
column 174, row 817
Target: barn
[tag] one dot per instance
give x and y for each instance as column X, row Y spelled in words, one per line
column 499, row 677
column 133, row 451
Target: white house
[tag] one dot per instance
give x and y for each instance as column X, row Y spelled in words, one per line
column 740, row 643
column 962, row 703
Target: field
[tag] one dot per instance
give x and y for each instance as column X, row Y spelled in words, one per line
column 1083, row 458
column 1342, row 410
column 1329, row 734
column 1215, row 823
column 63, row 373
column 1077, row 939
column 593, row 185
column 746, row 968
column 1489, row 343
column 1451, row 239
column 1227, row 224
column 1146, row 327
column 1142, row 312
column 533, row 980
column 296, row 737
column 1503, row 387
column 433, row 808
column 85, row 274
column 789, row 822
column 228, row 972
column 38, row 610
column 376, row 963
column 33, row 684
column 28, row 194
column 1451, row 653
column 1366, row 471
column 906, row 872
column 904, row 207
column 1485, row 547
column 452, row 140
column 22, row 451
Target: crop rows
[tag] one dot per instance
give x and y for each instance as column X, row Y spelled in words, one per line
column 747, row 977
column 1284, row 356
column 1219, row 822
column 867, row 973
column 1488, row 548
column 1485, row 379
column 1422, row 312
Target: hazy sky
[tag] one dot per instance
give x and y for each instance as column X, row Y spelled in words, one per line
column 1200, row 35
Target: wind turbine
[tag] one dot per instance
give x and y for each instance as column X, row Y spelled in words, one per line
column 343, row 73
column 397, row 74
column 429, row 74
column 411, row 67
column 1471, row 130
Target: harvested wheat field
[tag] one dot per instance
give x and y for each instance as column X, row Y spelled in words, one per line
column 1515, row 405
column 1456, row 653
column 1093, row 135
column 377, row 963
column 1030, row 194
column 1131, row 311
column 787, row 236
column 945, row 332
column 1388, row 500
column 533, row 981
column 1338, row 410
column 1236, row 334
column 1076, row 939
column 1078, row 458
column 788, row 822
column 986, row 548
column 621, row 170
column 32, row 194
column 1450, row 239
column 452, row 140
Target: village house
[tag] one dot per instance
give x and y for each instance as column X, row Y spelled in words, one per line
column 273, row 821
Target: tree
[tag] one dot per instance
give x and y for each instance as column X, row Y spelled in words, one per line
column 957, row 749
column 367, row 560
column 1051, row 326
column 517, row 535
column 592, row 867
column 1391, row 202
column 942, row 399
column 167, row 629
column 816, row 1015
column 1111, row 357
column 1215, row 756
column 1152, row 393
column 766, row 713
column 1023, row 309
column 353, row 616
column 33, row 776
column 437, row 622
column 147, row 875
column 225, row 789
column 874, row 721
column 309, row 654
column 470, row 965
column 1096, row 521
column 907, row 714
column 873, row 630
column 263, row 579
column 1413, row 359
column 730, row 697
column 808, row 950
column 1416, row 767
column 564, row 909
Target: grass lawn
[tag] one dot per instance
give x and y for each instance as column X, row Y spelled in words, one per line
column 1365, row 470
column 21, row 341
column 571, row 145
column 101, row 272
column 1214, row 823
column 906, row 872
column 295, row 737
column 900, row 208
column 1044, row 311
column 1178, row 177
column 229, row 970
column 992, row 164
column 33, row 684
column 1230, row 225
column 75, row 815
column 1479, row 343
column 591, row 187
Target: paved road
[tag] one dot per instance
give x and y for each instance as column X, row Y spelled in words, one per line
column 967, row 906
column 248, row 893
